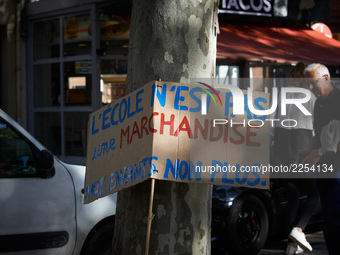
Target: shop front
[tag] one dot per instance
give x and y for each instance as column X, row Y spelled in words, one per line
column 269, row 50
column 264, row 39
column 77, row 59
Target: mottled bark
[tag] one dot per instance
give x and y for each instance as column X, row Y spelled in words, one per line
column 173, row 41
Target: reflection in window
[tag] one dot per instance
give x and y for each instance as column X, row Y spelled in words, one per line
column 112, row 87
column 16, row 156
column 63, row 88
column 279, row 74
column 78, row 82
column 227, row 74
column 77, row 35
column 77, row 90
column 75, row 133
column 113, row 79
column 46, row 85
column 114, row 34
column 113, row 66
column 48, row 130
column 46, row 39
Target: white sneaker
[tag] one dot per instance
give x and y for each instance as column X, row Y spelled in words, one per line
column 300, row 238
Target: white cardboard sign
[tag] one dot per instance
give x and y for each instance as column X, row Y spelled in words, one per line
column 158, row 132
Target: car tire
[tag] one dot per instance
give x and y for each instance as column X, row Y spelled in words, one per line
column 247, row 226
column 100, row 241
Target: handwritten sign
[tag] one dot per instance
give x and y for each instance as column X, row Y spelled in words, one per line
column 158, row 132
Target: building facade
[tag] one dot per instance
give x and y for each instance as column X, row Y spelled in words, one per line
column 62, row 60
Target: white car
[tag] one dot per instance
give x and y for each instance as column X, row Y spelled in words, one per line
column 41, row 201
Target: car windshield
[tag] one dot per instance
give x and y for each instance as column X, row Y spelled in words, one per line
column 16, row 156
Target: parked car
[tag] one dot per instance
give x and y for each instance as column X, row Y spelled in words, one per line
column 41, row 201
column 244, row 219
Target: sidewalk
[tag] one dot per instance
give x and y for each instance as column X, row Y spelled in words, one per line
column 315, row 239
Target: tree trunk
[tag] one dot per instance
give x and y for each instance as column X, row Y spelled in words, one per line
column 175, row 41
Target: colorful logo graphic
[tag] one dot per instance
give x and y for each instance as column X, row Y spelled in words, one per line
column 204, row 97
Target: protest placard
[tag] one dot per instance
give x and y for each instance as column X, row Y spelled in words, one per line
column 159, row 131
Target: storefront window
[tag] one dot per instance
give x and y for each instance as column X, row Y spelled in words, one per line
column 114, row 35
column 112, row 87
column 77, row 35
column 62, row 84
column 48, row 130
column 75, row 133
column 227, row 74
column 114, row 66
column 256, row 81
column 74, row 74
column 113, row 79
column 279, row 75
column 46, row 43
column 78, row 75
column 46, row 85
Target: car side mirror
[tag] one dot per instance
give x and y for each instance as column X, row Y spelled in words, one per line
column 46, row 169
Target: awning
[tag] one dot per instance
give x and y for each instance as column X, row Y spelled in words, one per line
column 281, row 44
